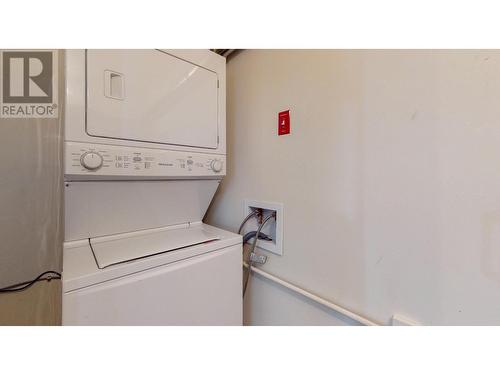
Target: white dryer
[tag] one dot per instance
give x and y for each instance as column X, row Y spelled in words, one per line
column 144, row 154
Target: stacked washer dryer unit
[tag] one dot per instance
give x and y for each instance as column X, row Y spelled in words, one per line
column 144, row 154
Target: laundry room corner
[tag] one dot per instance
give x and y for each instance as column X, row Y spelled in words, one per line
column 222, row 187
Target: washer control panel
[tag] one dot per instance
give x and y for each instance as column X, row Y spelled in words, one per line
column 84, row 159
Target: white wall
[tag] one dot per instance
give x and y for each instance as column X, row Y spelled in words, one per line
column 390, row 179
column 268, row 303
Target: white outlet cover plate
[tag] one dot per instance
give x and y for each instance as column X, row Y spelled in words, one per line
column 277, row 246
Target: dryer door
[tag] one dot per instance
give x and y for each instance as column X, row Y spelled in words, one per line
column 151, row 96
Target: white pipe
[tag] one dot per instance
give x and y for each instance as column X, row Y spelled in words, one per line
column 314, row 297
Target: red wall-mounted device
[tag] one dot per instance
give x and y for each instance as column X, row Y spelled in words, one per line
column 284, row 122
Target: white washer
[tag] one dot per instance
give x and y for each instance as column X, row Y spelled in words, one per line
column 193, row 285
column 144, row 154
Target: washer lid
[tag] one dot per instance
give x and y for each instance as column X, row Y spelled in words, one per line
column 122, row 248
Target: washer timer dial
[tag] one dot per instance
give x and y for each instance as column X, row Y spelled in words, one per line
column 91, row 160
column 216, row 165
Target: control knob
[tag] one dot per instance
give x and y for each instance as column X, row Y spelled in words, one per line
column 216, row 165
column 91, row 160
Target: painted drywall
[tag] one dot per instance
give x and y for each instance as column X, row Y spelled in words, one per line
column 390, row 179
column 263, row 297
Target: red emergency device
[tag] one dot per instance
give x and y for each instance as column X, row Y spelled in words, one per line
column 284, row 122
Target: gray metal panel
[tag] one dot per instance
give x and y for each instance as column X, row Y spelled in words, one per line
column 31, row 194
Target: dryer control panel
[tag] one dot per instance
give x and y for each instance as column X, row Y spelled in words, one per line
column 91, row 161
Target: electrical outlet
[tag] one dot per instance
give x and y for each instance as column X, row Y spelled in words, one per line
column 261, row 259
column 273, row 228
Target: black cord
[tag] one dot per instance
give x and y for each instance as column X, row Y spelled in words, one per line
column 27, row 284
column 252, row 234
